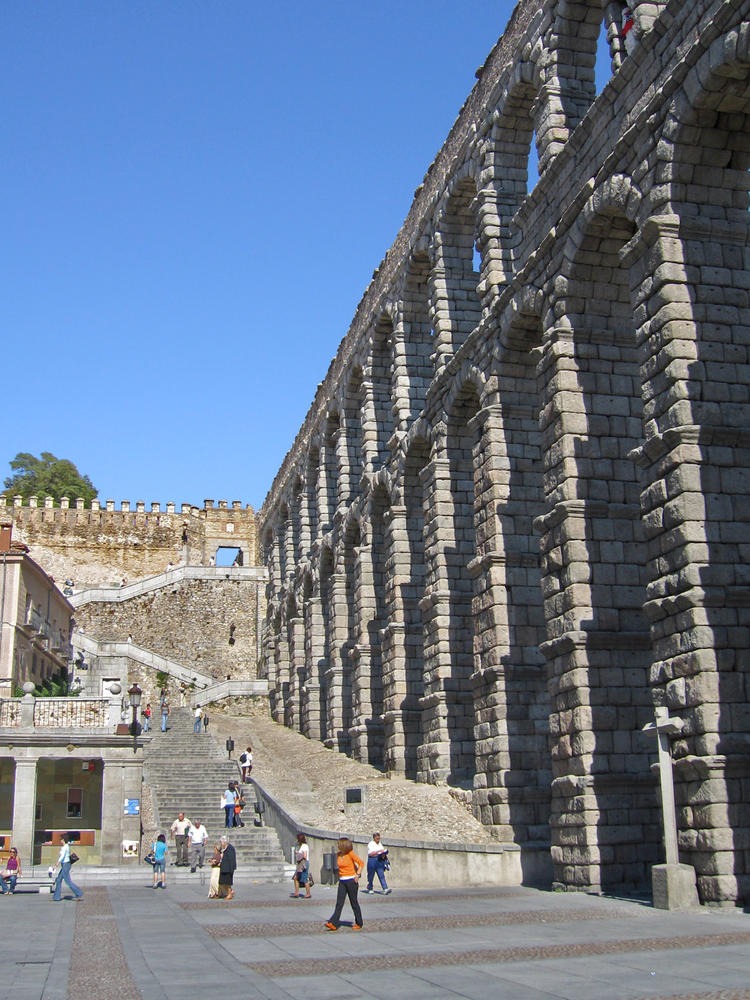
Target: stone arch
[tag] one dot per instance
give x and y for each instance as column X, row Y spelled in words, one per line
column 507, row 159
column 456, row 307
column 571, row 89
column 593, row 425
column 450, row 629
column 511, row 792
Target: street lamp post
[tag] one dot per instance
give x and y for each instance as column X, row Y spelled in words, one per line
column 134, row 694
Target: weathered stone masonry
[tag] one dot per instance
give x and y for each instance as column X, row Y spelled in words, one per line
column 515, row 518
column 100, row 544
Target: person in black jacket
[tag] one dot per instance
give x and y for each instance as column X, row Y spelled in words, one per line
column 227, row 869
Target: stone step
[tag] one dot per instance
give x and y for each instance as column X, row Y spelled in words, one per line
column 188, row 773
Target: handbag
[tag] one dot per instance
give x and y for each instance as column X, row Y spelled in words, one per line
column 74, row 857
column 150, row 858
column 6, row 873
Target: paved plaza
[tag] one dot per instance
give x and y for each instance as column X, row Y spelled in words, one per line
column 127, row 941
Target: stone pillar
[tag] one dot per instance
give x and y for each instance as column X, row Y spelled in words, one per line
column 399, row 711
column 290, row 555
column 303, row 508
column 439, row 310
column 400, row 379
column 696, row 460
column 369, row 418
column 121, row 780
column 366, row 729
column 434, row 755
column 296, row 633
column 336, row 734
column 24, row 809
column 313, row 721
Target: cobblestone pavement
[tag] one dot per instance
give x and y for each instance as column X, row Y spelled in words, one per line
column 126, row 941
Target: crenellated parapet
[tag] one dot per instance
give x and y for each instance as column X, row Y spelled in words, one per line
column 126, row 506
column 103, row 543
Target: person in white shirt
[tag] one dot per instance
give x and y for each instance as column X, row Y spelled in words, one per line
column 301, row 878
column 377, row 858
column 246, row 763
column 198, row 835
column 179, row 831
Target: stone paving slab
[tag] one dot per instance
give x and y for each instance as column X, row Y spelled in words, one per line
column 126, row 942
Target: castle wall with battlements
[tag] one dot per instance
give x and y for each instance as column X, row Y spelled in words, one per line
column 102, row 545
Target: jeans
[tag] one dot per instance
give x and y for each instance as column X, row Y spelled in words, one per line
column 164, row 723
column 347, row 887
column 146, row 723
column 197, row 725
column 376, row 866
column 64, row 876
column 8, row 884
column 229, row 820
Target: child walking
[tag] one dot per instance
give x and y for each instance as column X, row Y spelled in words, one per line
column 160, row 849
column 350, row 868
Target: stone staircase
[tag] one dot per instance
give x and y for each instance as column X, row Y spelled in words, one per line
column 188, row 773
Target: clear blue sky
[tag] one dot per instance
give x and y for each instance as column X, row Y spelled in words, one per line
column 194, row 197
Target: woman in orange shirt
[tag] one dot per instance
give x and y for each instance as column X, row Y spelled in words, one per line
column 350, row 868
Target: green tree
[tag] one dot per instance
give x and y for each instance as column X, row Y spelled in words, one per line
column 47, row 476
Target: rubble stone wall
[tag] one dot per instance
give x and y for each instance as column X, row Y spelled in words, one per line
column 100, row 545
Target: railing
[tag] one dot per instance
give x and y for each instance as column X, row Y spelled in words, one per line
column 10, row 712
column 56, row 713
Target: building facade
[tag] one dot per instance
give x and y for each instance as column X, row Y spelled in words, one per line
column 35, row 627
column 514, row 519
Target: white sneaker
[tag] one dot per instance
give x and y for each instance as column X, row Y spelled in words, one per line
column 370, row 892
column 386, row 891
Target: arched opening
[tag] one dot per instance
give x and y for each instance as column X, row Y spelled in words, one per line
column 464, row 444
column 602, row 580
column 412, row 588
column 511, row 680
column 457, row 307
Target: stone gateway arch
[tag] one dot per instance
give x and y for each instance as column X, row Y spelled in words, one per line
column 516, row 517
